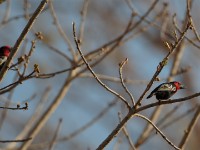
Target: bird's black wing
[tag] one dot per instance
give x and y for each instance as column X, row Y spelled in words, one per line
column 155, row 90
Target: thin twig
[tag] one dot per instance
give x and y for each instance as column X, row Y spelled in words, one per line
column 9, row 141
column 83, row 17
column 190, row 128
column 121, row 65
column 93, row 73
column 155, row 127
column 61, row 31
column 28, row 56
column 55, row 136
column 16, row 108
column 127, row 134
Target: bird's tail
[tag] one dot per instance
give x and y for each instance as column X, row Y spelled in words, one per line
column 150, row 95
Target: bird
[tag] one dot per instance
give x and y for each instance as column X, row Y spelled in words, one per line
column 4, row 53
column 165, row 90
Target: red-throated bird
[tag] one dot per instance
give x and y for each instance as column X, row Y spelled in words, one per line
column 4, row 53
column 166, row 90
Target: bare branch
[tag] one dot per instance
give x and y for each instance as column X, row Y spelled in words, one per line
column 127, row 134
column 93, row 73
column 9, row 141
column 121, row 65
column 162, row 134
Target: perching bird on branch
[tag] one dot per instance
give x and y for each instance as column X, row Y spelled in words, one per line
column 4, row 53
column 166, row 90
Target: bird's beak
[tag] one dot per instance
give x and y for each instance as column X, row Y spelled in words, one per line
column 182, row 87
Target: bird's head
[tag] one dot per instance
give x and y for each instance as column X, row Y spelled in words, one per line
column 178, row 85
column 5, row 51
